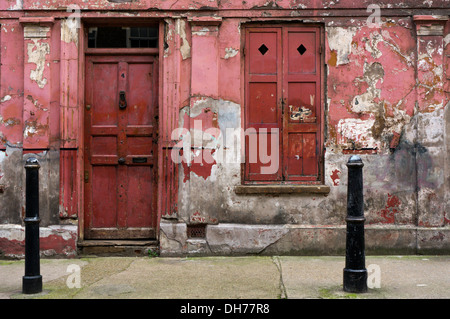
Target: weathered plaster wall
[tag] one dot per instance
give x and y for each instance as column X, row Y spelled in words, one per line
column 29, row 126
column 386, row 98
column 373, row 96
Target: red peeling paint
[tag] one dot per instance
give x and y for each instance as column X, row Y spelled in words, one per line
column 377, row 80
column 394, row 141
column 198, row 218
column 391, row 208
column 201, row 164
column 53, row 244
column 439, row 237
column 335, row 177
column 446, row 221
column 11, row 247
column 59, row 245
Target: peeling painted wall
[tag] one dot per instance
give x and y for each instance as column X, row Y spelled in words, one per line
column 386, row 93
column 369, row 111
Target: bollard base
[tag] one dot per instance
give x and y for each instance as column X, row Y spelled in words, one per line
column 31, row 284
column 355, row 280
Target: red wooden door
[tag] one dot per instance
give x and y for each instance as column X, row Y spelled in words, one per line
column 120, row 147
column 283, row 76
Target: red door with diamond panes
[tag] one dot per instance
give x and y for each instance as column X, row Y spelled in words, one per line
column 283, row 99
column 120, row 147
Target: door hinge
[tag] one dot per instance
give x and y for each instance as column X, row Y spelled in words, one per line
column 86, row 176
column 320, row 49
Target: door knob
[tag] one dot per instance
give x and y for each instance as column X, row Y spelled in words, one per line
column 121, row 160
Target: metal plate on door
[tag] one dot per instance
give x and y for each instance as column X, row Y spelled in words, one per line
column 139, row 159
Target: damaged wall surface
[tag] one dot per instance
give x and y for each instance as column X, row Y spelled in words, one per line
column 384, row 89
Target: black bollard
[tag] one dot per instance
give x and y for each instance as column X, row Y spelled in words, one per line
column 355, row 272
column 32, row 281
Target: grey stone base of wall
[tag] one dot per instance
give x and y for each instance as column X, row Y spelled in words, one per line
column 240, row 239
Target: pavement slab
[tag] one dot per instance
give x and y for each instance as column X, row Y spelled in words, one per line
column 250, row 277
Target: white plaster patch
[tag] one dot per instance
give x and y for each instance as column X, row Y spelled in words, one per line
column 340, row 41
column 185, row 48
column 17, row 6
column 69, row 34
column 365, row 102
column 36, row 54
column 202, row 32
column 446, row 39
column 432, row 125
column 5, row 98
column 12, row 232
column 230, row 52
column 372, row 45
column 357, row 131
column 168, row 36
column 29, row 131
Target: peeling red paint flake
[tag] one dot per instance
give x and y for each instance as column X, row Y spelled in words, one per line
column 201, row 165
column 394, row 141
column 198, row 218
column 11, row 247
column 335, row 177
column 439, row 237
column 59, row 244
column 388, row 213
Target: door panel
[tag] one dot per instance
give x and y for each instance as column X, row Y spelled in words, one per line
column 264, row 48
column 120, row 147
column 263, row 104
column 104, row 76
column 301, row 51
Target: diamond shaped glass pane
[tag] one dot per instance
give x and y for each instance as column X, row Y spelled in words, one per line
column 263, row 49
column 301, row 49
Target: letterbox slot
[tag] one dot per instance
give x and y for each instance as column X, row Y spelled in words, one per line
column 139, row 159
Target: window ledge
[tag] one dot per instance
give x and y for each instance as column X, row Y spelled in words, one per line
column 282, row 189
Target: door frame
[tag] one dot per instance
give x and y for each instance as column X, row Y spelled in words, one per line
column 83, row 50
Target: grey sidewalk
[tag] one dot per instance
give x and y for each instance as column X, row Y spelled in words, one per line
column 228, row 277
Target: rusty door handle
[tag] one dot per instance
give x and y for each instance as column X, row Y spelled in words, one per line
column 122, row 100
column 121, row 160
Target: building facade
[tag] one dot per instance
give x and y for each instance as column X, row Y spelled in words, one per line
column 224, row 127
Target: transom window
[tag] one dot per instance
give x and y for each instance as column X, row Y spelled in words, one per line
column 123, row 37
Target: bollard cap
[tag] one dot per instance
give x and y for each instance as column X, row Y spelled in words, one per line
column 355, row 160
column 32, row 162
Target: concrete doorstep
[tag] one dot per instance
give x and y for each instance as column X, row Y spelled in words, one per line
column 276, row 277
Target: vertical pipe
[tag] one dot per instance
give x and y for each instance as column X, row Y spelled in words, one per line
column 32, row 281
column 355, row 273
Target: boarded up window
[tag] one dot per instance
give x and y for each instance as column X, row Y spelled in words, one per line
column 283, row 112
